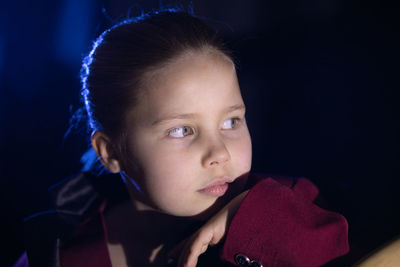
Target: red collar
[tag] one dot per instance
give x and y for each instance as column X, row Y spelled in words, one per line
column 89, row 244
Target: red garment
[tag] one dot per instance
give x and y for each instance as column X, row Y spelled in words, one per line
column 277, row 224
column 89, row 247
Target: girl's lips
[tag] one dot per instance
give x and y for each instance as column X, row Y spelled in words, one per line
column 216, row 189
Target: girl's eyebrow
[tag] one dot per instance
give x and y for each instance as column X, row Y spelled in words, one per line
column 174, row 117
column 192, row 115
column 236, row 107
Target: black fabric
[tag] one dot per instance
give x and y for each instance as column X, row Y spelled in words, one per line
column 42, row 240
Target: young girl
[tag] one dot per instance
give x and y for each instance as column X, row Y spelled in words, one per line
column 166, row 114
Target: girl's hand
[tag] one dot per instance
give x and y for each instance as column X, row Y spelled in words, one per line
column 209, row 234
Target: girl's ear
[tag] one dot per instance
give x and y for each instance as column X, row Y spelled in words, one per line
column 105, row 150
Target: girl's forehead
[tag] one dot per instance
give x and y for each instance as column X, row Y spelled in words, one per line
column 193, row 78
column 182, row 66
column 195, row 82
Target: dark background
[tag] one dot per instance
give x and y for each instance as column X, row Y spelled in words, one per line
column 320, row 80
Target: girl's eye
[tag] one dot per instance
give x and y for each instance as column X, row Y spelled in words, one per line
column 230, row 123
column 180, row 132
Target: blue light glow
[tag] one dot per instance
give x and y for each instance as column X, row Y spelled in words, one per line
column 88, row 159
column 73, row 30
column 1, row 53
column 38, row 214
column 126, row 177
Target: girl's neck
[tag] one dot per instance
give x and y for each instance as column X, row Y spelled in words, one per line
column 144, row 236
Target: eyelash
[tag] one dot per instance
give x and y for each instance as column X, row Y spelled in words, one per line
column 236, row 122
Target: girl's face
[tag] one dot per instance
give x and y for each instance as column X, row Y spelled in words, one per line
column 189, row 148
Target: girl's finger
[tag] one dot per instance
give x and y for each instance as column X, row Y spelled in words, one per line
column 178, row 249
column 188, row 251
column 198, row 246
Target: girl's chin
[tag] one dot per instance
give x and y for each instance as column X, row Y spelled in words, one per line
column 208, row 211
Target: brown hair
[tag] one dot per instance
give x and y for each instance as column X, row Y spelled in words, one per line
column 113, row 71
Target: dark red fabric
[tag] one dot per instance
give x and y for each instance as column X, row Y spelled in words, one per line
column 89, row 246
column 280, row 226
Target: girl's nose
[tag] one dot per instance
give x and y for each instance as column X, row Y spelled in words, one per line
column 215, row 153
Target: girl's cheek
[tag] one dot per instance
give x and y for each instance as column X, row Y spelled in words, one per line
column 246, row 159
column 244, row 153
column 177, row 144
column 234, row 134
